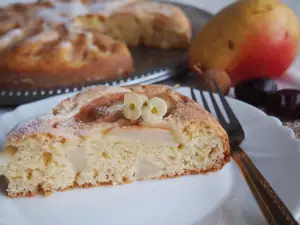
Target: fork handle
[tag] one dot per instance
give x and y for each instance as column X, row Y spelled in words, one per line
column 270, row 204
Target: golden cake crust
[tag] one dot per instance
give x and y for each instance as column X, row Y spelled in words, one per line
column 183, row 107
column 180, row 107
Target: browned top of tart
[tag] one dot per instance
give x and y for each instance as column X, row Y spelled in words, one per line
column 101, row 108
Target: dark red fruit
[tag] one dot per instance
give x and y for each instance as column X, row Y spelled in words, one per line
column 284, row 104
column 255, row 91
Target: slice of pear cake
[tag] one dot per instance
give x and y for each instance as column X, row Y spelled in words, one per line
column 113, row 135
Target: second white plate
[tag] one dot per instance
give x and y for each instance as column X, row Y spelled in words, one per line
column 221, row 198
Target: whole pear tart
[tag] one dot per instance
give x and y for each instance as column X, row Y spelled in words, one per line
column 113, row 135
column 56, row 43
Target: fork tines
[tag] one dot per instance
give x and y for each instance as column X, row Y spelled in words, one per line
column 233, row 122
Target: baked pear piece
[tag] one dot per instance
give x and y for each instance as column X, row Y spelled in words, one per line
column 113, row 135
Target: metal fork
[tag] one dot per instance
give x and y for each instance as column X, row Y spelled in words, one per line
column 270, row 204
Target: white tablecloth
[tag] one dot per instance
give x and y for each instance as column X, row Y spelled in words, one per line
column 212, row 6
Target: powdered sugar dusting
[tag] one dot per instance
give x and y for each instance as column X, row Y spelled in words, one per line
column 46, row 36
column 109, row 110
column 107, row 7
column 76, row 8
column 74, row 103
column 53, row 16
column 143, row 7
column 63, row 124
column 34, row 125
column 65, row 44
column 11, row 34
column 64, row 12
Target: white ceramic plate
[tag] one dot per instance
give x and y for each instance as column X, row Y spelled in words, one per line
column 220, row 198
